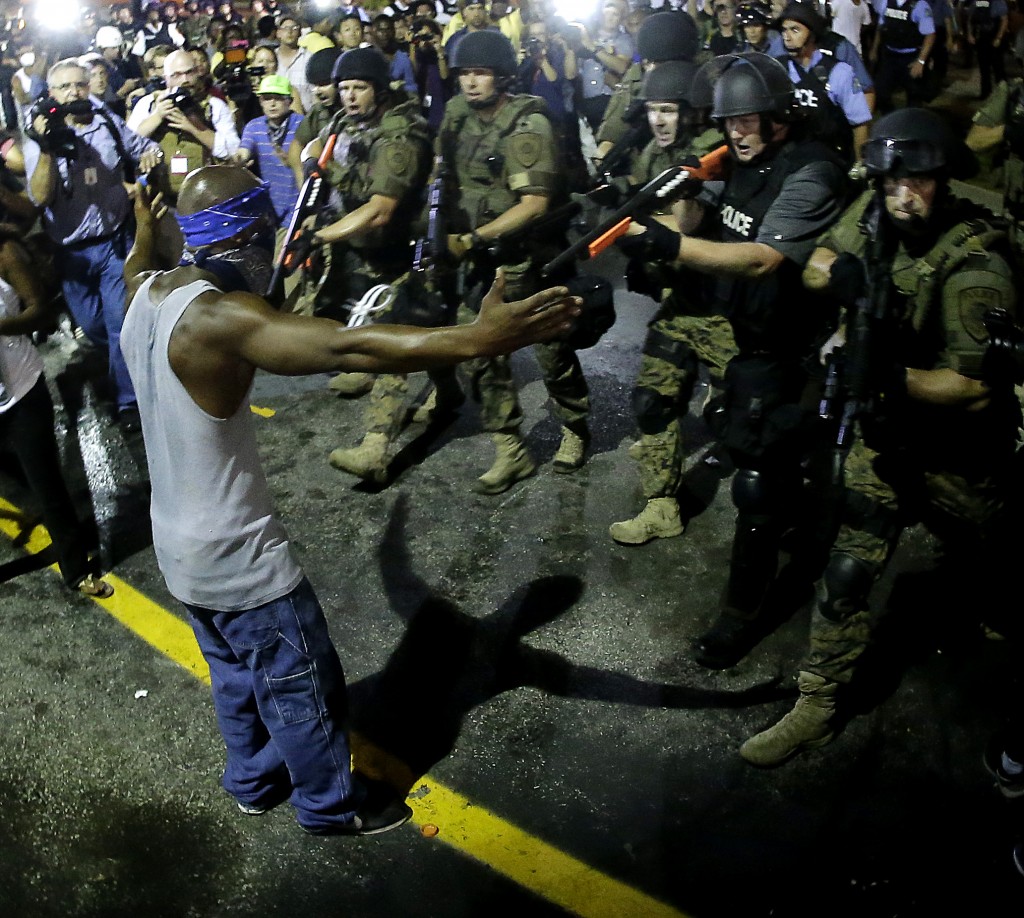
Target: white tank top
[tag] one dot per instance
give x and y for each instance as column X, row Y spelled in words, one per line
column 217, row 542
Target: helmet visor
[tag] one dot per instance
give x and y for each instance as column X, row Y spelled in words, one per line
column 886, row 156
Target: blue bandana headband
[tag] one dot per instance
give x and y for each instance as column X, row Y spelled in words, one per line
column 227, row 218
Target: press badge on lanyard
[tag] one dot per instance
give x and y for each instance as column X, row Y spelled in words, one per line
column 179, row 165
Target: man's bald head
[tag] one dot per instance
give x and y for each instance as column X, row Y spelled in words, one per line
column 209, row 185
column 181, row 71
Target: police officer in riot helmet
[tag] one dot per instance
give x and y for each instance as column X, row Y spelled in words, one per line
column 685, row 334
column 827, row 90
column 501, row 159
column 783, row 192
column 937, row 443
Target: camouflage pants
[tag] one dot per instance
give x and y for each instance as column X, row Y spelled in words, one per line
column 676, row 346
column 492, row 384
column 969, row 517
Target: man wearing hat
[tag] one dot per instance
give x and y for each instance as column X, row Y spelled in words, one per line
column 125, row 75
column 827, row 90
column 265, row 141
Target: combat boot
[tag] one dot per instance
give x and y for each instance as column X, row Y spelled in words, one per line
column 368, row 460
column 511, row 464
column 351, row 385
column 572, row 451
column 807, row 726
column 729, row 639
column 658, row 520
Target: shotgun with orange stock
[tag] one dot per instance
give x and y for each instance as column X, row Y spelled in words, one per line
column 295, row 246
column 675, row 182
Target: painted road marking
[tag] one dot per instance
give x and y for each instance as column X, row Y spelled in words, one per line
column 262, row 412
column 526, row 860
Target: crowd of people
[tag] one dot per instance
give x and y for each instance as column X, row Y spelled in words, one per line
column 817, row 269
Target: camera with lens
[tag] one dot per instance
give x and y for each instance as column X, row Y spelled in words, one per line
column 154, row 84
column 534, row 47
column 184, row 101
column 56, row 137
column 234, row 73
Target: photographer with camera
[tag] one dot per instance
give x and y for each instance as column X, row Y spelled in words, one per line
column 431, row 69
column 548, row 69
column 77, row 159
column 192, row 127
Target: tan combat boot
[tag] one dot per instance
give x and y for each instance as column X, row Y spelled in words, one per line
column 572, row 451
column 658, row 520
column 368, row 460
column 351, row 385
column 807, row 726
column 511, row 464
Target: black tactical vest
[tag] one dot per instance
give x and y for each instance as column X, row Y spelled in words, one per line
column 824, row 120
column 981, row 16
column 773, row 314
column 898, row 29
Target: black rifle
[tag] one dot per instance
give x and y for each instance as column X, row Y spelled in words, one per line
column 858, row 373
column 635, row 138
column 432, row 248
column 296, row 246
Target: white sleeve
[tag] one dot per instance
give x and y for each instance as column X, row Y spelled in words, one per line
column 225, row 140
column 142, row 110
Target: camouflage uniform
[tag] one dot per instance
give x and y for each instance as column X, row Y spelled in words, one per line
column 685, row 333
column 950, row 469
column 389, row 157
column 491, row 164
column 1006, row 107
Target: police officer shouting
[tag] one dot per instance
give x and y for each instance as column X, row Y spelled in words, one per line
column 782, row 193
column 500, row 152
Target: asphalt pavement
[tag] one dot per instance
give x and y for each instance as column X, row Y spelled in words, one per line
column 526, row 678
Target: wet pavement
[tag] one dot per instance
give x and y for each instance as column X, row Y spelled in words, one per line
column 536, row 673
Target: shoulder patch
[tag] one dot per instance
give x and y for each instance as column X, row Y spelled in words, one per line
column 397, row 159
column 526, row 149
column 973, row 303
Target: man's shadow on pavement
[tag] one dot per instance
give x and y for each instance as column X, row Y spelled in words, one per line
column 408, row 716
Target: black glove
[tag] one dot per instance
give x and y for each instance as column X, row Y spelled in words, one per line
column 848, row 280
column 658, row 243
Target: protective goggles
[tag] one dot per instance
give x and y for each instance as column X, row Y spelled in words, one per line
column 886, row 156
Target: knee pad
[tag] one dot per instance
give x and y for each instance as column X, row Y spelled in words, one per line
column 654, row 411
column 671, row 350
column 848, row 581
column 751, row 492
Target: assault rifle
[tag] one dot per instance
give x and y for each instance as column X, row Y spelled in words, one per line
column 633, row 140
column 295, row 247
column 673, row 183
column 432, row 248
column 855, row 379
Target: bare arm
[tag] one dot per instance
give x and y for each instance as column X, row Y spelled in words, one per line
column 947, row 387
column 527, row 208
column 374, row 214
column 141, row 260
column 16, row 268
column 818, row 269
column 43, row 184
column 246, row 328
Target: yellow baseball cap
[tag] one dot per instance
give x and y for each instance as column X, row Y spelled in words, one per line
column 275, row 85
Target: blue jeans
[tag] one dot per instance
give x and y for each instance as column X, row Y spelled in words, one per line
column 94, row 288
column 279, row 694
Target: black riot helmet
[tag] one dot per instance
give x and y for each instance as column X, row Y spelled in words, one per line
column 367, row 64
column 670, row 81
column 743, row 84
column 668, row 36
column 753, row 12
column 916, row 141
column 488, row 49
column 805, row 14
column 320, row 66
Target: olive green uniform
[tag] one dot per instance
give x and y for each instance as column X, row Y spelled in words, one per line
column 1005, row 107
column 948, row 468
column 493, row 163
column 684, row 333
column 390, row 157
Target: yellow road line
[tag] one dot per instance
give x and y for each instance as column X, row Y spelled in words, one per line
column 262, row 412
column 526, row 860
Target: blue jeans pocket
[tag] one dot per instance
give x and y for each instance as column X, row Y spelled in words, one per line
column 295, row 697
